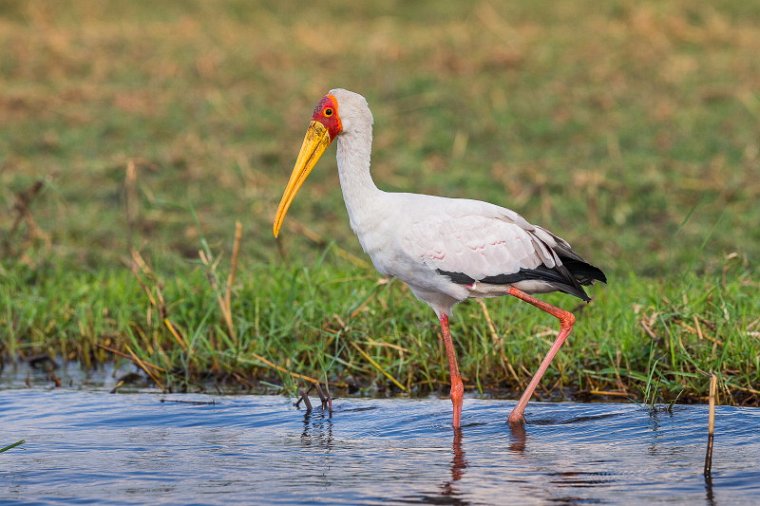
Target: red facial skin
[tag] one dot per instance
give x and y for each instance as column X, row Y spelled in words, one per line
column 326, row 113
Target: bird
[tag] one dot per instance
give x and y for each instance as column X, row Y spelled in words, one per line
column 446, row 250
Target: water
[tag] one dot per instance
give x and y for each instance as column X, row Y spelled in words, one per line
column 93, row 447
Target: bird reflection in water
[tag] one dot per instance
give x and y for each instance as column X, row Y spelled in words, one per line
column 458, row 465
column 517, row 437
column 449, row 489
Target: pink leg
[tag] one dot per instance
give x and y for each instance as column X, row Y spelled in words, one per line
column 566, row 321
column 457, row 387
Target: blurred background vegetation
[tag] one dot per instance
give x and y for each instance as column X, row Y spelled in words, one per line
column 631, row 128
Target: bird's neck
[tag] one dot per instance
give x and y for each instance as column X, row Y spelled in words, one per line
column 359, row 190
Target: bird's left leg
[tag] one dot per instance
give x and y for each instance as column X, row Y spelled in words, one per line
column 457, row 387
column 566, row 320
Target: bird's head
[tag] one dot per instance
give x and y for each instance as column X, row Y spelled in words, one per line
column 339, row 112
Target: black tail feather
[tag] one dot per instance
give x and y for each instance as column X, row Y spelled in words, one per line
column 584, row 272
column 568, row 277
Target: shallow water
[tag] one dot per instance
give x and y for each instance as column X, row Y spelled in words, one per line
column 94, row 447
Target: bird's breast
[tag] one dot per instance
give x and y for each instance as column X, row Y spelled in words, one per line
column 374, row 240
column 391, row 258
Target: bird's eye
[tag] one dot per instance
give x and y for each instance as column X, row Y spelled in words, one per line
column 328, row 112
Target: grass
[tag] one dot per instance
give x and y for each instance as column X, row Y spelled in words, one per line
column 629, row 128
column 12, row 446
column 644, row 339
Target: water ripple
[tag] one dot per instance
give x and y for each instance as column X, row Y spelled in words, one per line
column 92, row 447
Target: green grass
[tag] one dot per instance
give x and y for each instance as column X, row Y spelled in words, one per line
column 11, row 446
column 643, row 339
column 629, row 128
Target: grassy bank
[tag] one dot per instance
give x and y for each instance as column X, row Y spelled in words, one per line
column 640, row 339
column 135, row 134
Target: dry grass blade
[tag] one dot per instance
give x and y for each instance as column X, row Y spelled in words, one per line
column 749, row 390
column 21, row 206
column 225, row 301
column 379, row 367
column 22, row 210
column 233, row 266
column 648, row 329
column 115, row 352
column 494, row 336
column 373, row 342
column 177, row 336
column 212, row 279
column 143, row 273
column 276, row 367
column 499, row 344
column 612, row 393
column 130, row 199
column 697, row 329
column 146, row 368
column 711, row 426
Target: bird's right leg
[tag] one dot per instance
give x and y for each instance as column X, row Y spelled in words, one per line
column 457, row 387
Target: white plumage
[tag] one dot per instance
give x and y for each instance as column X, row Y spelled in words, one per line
column 445, row 249
column 422, row 235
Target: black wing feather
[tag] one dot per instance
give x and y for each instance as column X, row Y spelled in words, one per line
column 567, row 278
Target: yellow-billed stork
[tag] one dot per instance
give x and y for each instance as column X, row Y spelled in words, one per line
column 447, row 250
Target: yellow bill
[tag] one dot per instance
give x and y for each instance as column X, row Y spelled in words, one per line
column 315, row 143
